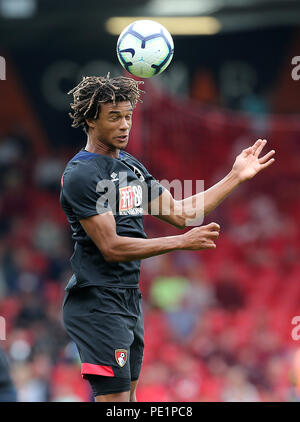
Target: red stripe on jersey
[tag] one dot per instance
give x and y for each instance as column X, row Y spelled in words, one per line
column 90, row 368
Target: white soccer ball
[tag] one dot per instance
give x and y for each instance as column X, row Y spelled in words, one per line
column 145, row 48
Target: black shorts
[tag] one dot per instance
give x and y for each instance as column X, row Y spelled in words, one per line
column 106, row 324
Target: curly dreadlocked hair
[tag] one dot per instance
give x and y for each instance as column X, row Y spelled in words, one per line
column 94, row 90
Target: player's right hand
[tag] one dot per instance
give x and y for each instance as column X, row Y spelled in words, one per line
column 201, row 237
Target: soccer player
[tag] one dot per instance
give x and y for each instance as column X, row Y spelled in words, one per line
column 104, row 194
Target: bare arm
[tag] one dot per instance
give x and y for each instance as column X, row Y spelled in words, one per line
column 102, row 230
column 182, row 213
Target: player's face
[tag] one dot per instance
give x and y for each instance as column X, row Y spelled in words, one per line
column 113, row 125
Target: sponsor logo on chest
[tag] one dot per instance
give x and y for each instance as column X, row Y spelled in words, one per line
column 131, row 198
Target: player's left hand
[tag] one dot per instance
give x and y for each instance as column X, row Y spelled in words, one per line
column 247, row 163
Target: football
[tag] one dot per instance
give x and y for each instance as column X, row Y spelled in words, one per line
column 145, row 48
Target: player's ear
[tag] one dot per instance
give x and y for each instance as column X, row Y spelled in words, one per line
column 91, row 123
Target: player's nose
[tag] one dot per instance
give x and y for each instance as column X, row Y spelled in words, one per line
column 124, row 124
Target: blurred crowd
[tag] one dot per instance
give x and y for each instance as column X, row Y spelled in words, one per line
column 217, row 323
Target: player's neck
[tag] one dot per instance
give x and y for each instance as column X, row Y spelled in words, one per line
column 100, row 148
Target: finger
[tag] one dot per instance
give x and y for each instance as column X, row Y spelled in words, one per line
column 213, row 235
column 213, row 227
column 260, row 147
column 266, row 157
column 267, row 164
column 256, row 144
column 210, row 245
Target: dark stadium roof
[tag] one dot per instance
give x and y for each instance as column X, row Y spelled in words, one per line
column 68, row 20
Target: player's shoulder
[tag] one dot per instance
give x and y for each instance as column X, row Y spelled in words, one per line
column 86, row 163
column 84, row 168
column 124, row 155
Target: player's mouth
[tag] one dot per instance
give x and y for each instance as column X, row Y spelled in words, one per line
column 122, row 138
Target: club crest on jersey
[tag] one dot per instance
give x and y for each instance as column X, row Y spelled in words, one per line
column 138, row 173
column 121, row 357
